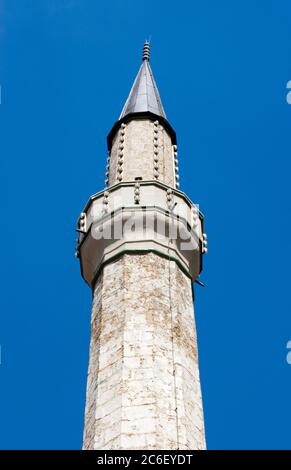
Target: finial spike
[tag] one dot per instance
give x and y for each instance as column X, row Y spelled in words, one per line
column 146, row 51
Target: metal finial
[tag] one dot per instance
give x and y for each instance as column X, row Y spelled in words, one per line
column 146, row 51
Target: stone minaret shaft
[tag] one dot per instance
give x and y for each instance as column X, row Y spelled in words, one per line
column 140, row 246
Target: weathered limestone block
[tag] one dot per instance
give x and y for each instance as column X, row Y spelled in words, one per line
column 143, row 388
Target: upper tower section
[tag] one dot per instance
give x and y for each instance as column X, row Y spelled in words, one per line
column 142, row 210
column 142, row 143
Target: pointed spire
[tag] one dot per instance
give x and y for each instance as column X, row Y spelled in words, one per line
column 144, row 95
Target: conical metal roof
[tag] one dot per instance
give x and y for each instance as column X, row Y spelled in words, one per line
column 144, row 95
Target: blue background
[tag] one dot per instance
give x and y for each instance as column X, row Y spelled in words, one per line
column 222, row 68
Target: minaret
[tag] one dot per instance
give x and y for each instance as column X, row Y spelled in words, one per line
column 140, row 247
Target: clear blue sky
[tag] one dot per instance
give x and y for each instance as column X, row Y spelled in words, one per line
column 66, row 67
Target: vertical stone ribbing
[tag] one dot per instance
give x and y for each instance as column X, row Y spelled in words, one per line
column 156, row 150
column 143, row 388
